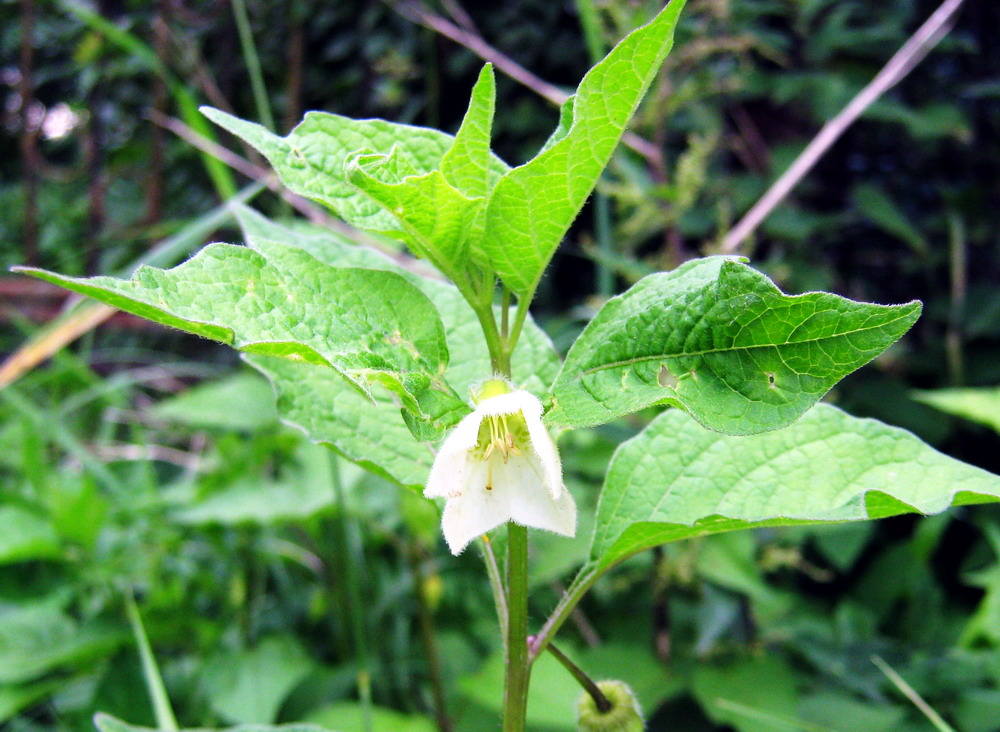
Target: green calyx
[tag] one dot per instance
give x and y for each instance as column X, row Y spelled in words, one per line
column 624, row 715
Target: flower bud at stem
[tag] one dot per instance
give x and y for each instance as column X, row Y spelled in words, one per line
column 623, row 716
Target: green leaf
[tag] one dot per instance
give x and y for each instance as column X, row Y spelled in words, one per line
column 107, row 723
column 435, row 219
column 38, row 639
column 754, row 694
column 311, row 160
column 373, row 435
column 26, row 535
column 718, row 339
column 467, row 164
column 980, row 404
column 249, row 686
column 676, row 480
column 242, row 401
column 533, row 205
column 328, row 411
column 371, row 326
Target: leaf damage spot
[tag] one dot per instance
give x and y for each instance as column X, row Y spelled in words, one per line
column 770, row 380
column 666, row 378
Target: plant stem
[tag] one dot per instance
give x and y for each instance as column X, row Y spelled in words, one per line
column 496, row 583
column 515, row 692
column 415, row 556
column 253, row 64
column 164, row 714
column 600, row 701
column 583, row 581
column 350, row 565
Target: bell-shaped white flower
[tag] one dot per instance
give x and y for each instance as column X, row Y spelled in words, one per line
column 500, row 464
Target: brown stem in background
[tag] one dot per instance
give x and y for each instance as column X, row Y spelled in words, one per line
column 909, row 55
column 428, row 639
column 29, row 132
column 661, row 608
column 419, row 13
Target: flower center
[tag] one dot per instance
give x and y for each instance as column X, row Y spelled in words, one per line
column 503, row 434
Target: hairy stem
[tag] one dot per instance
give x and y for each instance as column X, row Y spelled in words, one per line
column 515, row 692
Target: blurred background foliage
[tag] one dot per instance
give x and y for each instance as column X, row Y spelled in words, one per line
column 277, row 583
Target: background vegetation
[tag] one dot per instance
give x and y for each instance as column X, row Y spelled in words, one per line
column 278, row 584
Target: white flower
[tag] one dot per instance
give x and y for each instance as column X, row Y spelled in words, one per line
column 500, row 464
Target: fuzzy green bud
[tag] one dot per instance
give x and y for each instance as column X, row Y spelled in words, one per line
column 625, row 714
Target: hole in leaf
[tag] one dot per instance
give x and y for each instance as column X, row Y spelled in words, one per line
column 666, row 379
column 770, row 379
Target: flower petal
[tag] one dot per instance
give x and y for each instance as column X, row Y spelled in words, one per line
column 548, row 455
column 521, row 478
column 475, row 511
column 450, row 471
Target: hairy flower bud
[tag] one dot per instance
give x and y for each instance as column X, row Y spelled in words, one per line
column 624, row 715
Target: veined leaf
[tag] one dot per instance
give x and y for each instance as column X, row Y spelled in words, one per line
column 322, row 405
column 533, row 205
column 467, row 164
column 435, row 219
column 676, row 480
column 328, row 411
column 719, row 340
column 311, row 159
column 369, row 325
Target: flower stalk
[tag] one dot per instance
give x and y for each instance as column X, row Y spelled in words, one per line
column 517, row 672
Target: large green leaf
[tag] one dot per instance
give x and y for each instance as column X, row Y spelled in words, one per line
column 329, row 412
column 676, row 480
column 533, row 205
column 718, row 339
column 371, row 326
column 311, row 159
column 318, row 402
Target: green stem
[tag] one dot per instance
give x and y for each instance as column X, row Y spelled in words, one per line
column 515, row 692
column 425, row 622
column 588, row 684
column 253, row 64
column 584, row 581
column 496, row 583
column 164, row 714
column 351, row 563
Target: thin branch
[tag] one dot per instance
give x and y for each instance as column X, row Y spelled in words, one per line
column 600, row 700
column 496, row 583
column 419, row 13
column 905, row 59
column 910, row 693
